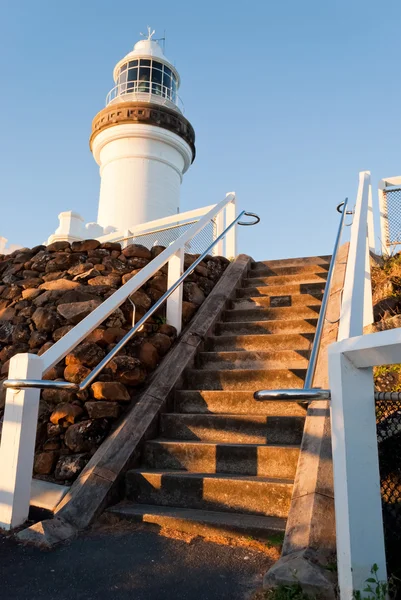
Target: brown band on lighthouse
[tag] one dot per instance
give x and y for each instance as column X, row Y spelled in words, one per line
column 144, row 113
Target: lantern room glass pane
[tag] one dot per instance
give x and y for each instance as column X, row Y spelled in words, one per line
column 122, row 81
column 174, row 89
column 132, row 76
column 157, row 77
column 145, row 62
column 133, row 63
column 144, row 79
column 166, row 85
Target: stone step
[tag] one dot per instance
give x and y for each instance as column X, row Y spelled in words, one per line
column 284, row 359
column 285, row 313
column 240, row 494
column 235, row 459
column 295, row 300
column 302, row 278
column 200, row 522
column 263, row 327
column 271, row 341
column 234, row 429
column 293, row 262
column 261, row 270
column 279, row 291
column 244, row 379
column 235, row 403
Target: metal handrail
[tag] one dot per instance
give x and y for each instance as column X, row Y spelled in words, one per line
column 79, row 387
column 308, row 393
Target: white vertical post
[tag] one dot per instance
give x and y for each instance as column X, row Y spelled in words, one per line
column 383, row 218
column 18, row 442
column 125, row 242
column 371, row 224
column 174, row 302
column 231, row 237
column 367, row 297
column 352, row 317
column 359, row 526
column 218, row 249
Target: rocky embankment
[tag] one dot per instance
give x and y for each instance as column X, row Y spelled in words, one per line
column 386, row 292
column 44, row 293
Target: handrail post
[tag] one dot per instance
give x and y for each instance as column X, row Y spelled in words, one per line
column 218, row 250
column 174, row 302
column 125, row 241
column 359, row 524
column 18, row 442
column 231, row 237
column 355, row 293
column 371, row 224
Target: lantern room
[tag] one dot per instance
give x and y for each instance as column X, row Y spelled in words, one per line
column 146, row 75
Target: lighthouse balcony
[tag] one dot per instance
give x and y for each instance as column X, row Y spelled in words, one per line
column 145, row 91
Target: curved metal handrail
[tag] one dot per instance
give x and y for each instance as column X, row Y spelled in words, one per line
column 249, row 214
column 65, row 385
column 348, row 212
column 308, row 392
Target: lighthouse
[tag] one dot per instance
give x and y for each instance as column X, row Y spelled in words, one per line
column 141, row 140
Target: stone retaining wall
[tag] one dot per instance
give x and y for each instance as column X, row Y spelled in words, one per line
column 46, row 291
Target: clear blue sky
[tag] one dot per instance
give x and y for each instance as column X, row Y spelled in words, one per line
column 289, row 101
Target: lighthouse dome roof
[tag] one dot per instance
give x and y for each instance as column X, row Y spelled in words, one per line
column 146, row 48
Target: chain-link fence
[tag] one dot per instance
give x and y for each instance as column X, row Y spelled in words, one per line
column 392, row 216
column 167, row 235
column 388, row 419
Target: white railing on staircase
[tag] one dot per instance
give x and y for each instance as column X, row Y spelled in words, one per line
column 26, row 370
column 359, row 525
column 358, row 507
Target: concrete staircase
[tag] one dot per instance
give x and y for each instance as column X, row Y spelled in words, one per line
column 225, row 463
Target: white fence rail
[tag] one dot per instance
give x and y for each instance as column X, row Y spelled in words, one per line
column 164, row 231
column 20, row 416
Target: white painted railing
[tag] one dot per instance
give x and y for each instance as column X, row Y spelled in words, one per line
column 21, row 410
column 162, row 228
column 359, row 525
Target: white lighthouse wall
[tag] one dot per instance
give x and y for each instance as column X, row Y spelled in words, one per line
column 141, row 168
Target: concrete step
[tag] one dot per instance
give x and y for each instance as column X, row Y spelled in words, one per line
column 285, row 313
column 240, row 494
column 244, row 379
column 284, row 359
column 235, row 459
column 261, row 270
column 315, row 288
column 234, row 403
column 302, row 278
column 232, row 429
column 269, row 342
column 293, row 262
column 295, row 300
column 200, row 522
column 264, row 327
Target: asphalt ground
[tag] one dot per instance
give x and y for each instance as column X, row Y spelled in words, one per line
column 135, row 563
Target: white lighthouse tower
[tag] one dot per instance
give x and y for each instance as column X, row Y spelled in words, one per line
column 141, row 141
